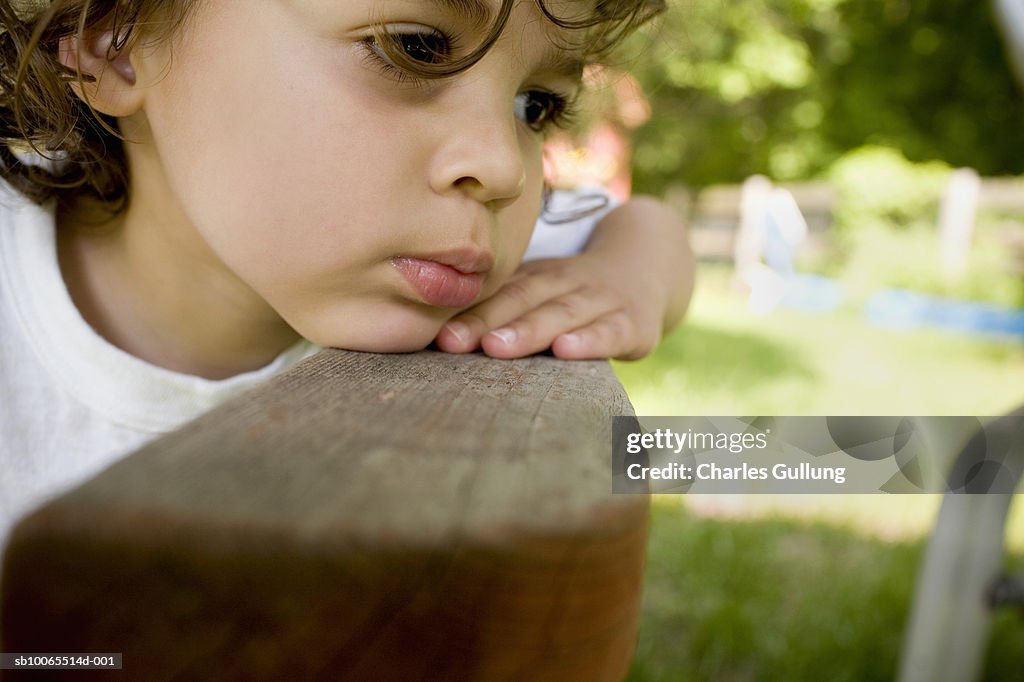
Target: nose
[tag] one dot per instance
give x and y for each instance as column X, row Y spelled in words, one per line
column 481, row 154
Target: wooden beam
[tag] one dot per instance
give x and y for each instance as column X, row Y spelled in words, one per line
column 405, row 517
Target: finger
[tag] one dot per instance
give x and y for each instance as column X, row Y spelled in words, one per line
column 612, row 336
column 533, row 285
column 534, row 331
column 460, row 335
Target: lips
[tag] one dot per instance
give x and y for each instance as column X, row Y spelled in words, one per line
column 448, row 280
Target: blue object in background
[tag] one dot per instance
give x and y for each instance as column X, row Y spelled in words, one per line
column 902, row 309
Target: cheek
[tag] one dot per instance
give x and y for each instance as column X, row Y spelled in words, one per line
column 295, row 184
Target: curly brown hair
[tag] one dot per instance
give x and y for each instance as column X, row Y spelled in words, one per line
column 39, row 112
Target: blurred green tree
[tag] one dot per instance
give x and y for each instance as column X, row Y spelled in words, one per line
column 784, row 87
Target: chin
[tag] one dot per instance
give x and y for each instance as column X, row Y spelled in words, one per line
column 392, row 334
column 386, row 345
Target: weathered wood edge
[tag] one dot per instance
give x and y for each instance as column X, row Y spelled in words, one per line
column 423, row 444
column 498, row 537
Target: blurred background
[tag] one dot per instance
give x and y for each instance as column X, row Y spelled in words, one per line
column 852, row 172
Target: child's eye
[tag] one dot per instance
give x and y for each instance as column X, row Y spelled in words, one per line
column 426, row 48
column 540, row 109
column 412, row 44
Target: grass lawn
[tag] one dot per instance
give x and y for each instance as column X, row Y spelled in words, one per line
column 803, row 587
column 777, row 598
column 724, row 360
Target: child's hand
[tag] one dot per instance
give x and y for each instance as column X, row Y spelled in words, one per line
column 580, row 307
column 631, row 283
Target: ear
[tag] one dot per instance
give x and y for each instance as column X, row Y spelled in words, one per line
column 112, row 89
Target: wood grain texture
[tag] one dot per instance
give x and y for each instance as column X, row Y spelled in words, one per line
column 405, row 517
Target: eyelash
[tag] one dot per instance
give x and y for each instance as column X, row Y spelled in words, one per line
column 559, row 111
column 375, row 56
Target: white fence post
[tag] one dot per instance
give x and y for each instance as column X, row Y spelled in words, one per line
column 956, row 221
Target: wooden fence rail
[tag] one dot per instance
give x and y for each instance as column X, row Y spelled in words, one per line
column 398, row 517
column 713, row 213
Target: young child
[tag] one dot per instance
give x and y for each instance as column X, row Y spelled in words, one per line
column 225, row 186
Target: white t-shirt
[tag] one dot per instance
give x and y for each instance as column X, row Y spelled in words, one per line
column 70, row 402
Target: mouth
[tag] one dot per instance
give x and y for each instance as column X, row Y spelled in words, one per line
column 453, row 279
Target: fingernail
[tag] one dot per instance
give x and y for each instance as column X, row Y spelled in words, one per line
column 506, row 334
column 459, row 330
column 573, row 339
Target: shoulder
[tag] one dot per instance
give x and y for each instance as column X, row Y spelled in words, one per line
column 27, row 230
column 27, row 254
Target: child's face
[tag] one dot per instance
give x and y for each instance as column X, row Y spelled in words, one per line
column 363, row 209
